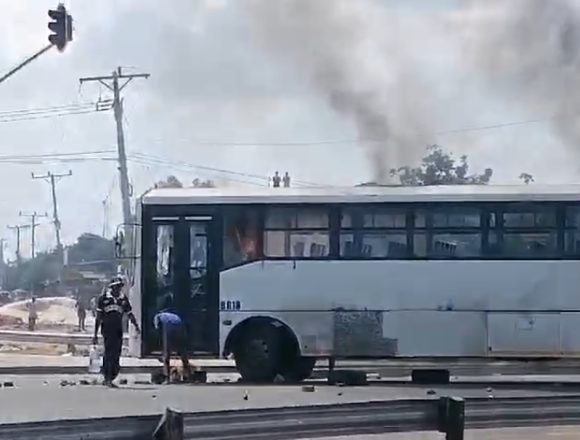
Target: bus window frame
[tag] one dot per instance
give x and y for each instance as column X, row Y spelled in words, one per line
column 297, row 206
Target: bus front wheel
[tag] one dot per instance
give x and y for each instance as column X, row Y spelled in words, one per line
column 257, row 354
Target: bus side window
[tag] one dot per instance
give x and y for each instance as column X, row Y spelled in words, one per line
column 240, row 242
column 296, row 232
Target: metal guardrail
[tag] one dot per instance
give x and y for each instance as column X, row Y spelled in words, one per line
column 47, row 337
column 449, row 415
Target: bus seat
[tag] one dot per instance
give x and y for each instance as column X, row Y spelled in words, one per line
column 367, row 250
column 299, row 249
column 348, row 249
column 396, row 249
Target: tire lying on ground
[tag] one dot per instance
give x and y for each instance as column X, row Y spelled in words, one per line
column 348, row 377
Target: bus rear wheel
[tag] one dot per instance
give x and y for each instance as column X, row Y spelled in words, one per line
column 299, row 369
column 257, row 354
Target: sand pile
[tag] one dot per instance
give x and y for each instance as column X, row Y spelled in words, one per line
column 52, row 312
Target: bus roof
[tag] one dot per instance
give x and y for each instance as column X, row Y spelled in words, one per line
column 362, row 194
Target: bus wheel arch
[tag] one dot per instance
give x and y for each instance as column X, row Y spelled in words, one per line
column 273, row 343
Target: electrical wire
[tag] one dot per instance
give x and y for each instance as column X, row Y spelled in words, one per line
column 49, row 155
column 46, row 116
column 220, row 171
column 187, row 168
column 349, row 141
column 49, row 109
column 82, row 156
column 56, row 111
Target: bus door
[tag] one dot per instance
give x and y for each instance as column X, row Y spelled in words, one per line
column 183, row 271
column 202, row 286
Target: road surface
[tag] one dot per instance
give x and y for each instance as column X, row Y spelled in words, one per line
column 36, row 398
column 551, row 433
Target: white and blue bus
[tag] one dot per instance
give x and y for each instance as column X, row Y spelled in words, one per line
column 278, row 277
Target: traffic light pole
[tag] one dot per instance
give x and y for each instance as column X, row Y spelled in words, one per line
column 62, row 26
column 25, row 62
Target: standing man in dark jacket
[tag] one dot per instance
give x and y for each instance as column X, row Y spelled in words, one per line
column 111, row 307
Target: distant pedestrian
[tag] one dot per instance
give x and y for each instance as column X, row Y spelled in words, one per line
column 173, row 334
column 286, row 180
column 111, row 307
column 32, row 314
column 93, row 306
column 81, row 312
column 276, row 180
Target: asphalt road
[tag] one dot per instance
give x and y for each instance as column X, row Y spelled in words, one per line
column 37, row 398
column 550, row 433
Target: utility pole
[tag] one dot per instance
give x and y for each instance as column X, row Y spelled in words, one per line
column 33, row 216
column 18, row 229
column 52, row 179
column 2, row 264
column 112, row 82
column 105, row 218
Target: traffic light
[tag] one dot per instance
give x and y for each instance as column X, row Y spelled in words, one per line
column 61, row 26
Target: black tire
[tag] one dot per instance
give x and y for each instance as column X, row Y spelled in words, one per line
column 257, row 354
column 430, row 377
column 299, row 369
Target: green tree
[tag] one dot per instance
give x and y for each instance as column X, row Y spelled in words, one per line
column 31, row 274
column 92, row 250
column 439, row 167
column 527, row 178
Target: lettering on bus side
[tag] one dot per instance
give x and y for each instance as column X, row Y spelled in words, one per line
column 230, row 305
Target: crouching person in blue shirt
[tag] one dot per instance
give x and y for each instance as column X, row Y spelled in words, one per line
column 173, row 335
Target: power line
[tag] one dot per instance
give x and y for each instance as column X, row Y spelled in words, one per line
column 33, row 225
column 185, row 167
column 53, row 178
column 494, row 126
column 116, row 82
column 348, row 141
column 58, row 158
column 57, row 108
column 18, row 229
column 75, row 153
column 160, row 161
column 49, row 115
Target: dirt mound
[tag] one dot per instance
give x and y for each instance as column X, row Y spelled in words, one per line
column 51, row 311
column 11, row 321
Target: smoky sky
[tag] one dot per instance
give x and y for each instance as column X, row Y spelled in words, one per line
column 370, row 69
column 390, row 73
column 529, row 51
column 348, row 54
